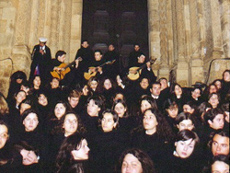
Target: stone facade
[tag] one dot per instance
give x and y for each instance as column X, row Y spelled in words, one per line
column 184, row 35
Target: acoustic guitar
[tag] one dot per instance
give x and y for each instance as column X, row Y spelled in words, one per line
column 91, row 72
column 65, row 68
column 135, row 72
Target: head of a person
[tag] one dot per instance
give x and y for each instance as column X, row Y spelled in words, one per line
column 144, row 83
column 189, row 107
column 25, row 104
column 4, row 108
column 25, row 86
column 141, row 58
column 120, row 107
column 36, row 81
column 119, row 96
column 225, row 108
column 218, row 84
column 111, row 47
column 155, row 89
column 214, row 118
column 54, row 83
column 29, row 154
column 171, row 108
column 61, row 107
column 18, row 77
column 220, row 164
column 73, row 148
column 212, row 88
column 226, row 75
column 135, row 161
column 30, row 120
column 177, row 90
column 93, row 83
column 72, row 124
column 150, row 121
column 4, row 134
column 109, row 121
column 95, row 104
column 84, row 44
column 60, row 55
column 98, row 55
column 214, row 99
column 164, row 83
column 74, row 97
column 136, row 47
column 107, row 83
column 42, row 99
column 185, row 143
column 185, row 121
column 196, row 93
column 20, row 96
column 42, row 41
column 219, row 143
column 147, row 102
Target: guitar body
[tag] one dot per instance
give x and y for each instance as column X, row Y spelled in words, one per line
column 90, row 73
column 60, row 74
column 134, row 73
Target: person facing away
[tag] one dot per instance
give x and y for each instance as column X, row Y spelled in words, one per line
column 41, row 59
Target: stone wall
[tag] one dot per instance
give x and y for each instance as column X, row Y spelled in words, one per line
column 184, row 35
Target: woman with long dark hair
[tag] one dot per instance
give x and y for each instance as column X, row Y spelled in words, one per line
column 73, row 154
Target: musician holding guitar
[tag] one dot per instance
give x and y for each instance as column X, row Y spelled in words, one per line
column 142, row 68
column 64, row 72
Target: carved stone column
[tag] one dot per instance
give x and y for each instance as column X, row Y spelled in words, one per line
column 154, row 33
column 182, row 65
column 20, row 51
column 225, row 25
column 76, row 25
column 196, row 61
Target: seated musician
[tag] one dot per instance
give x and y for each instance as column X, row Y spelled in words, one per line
column 145, row 68
column 61, row 70
column 96, row 66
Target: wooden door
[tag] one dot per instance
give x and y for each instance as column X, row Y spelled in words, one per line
column 121, row 22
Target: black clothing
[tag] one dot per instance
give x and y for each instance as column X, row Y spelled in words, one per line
column 41, row 62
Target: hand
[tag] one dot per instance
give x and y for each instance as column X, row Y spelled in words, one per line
column 99, row 69
column 77, row 63
column 42, row 51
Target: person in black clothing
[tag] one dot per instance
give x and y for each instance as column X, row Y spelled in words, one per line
column 106, row 146
column 73, row 154
column 153, row 136
column 225, row 90
column 41, row 60
column 134, row 54
column 186, row 156
column 135, row 160
column 86, row 53
column 113, row 69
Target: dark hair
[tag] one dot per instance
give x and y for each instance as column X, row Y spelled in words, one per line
column 97, row 99
column 150, row 100
column 197, row 87
column 227, row 70
column 155, row 83
column 211, row 114
column 172, row 88
column 98, row 50
column 28, row 101
column 115, row 116
column 184, row 116
column 223, row 133
column 123, row 103
column 80, row 127
column 169, row 103
column 143, row 158
column 65, row 159
column 185, row 135
column 225, row 107
column 27, row 112
column 191, row 104
column 60, row 53
column 162, row 78
column 18, row 75
column 164, row 131
column 210, row 95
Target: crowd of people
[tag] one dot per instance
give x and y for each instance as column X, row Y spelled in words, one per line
column 93, row 115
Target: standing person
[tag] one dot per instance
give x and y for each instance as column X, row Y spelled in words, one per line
column 134, row 54
column 112, row 70
column 41, row 59
column 86, row 53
